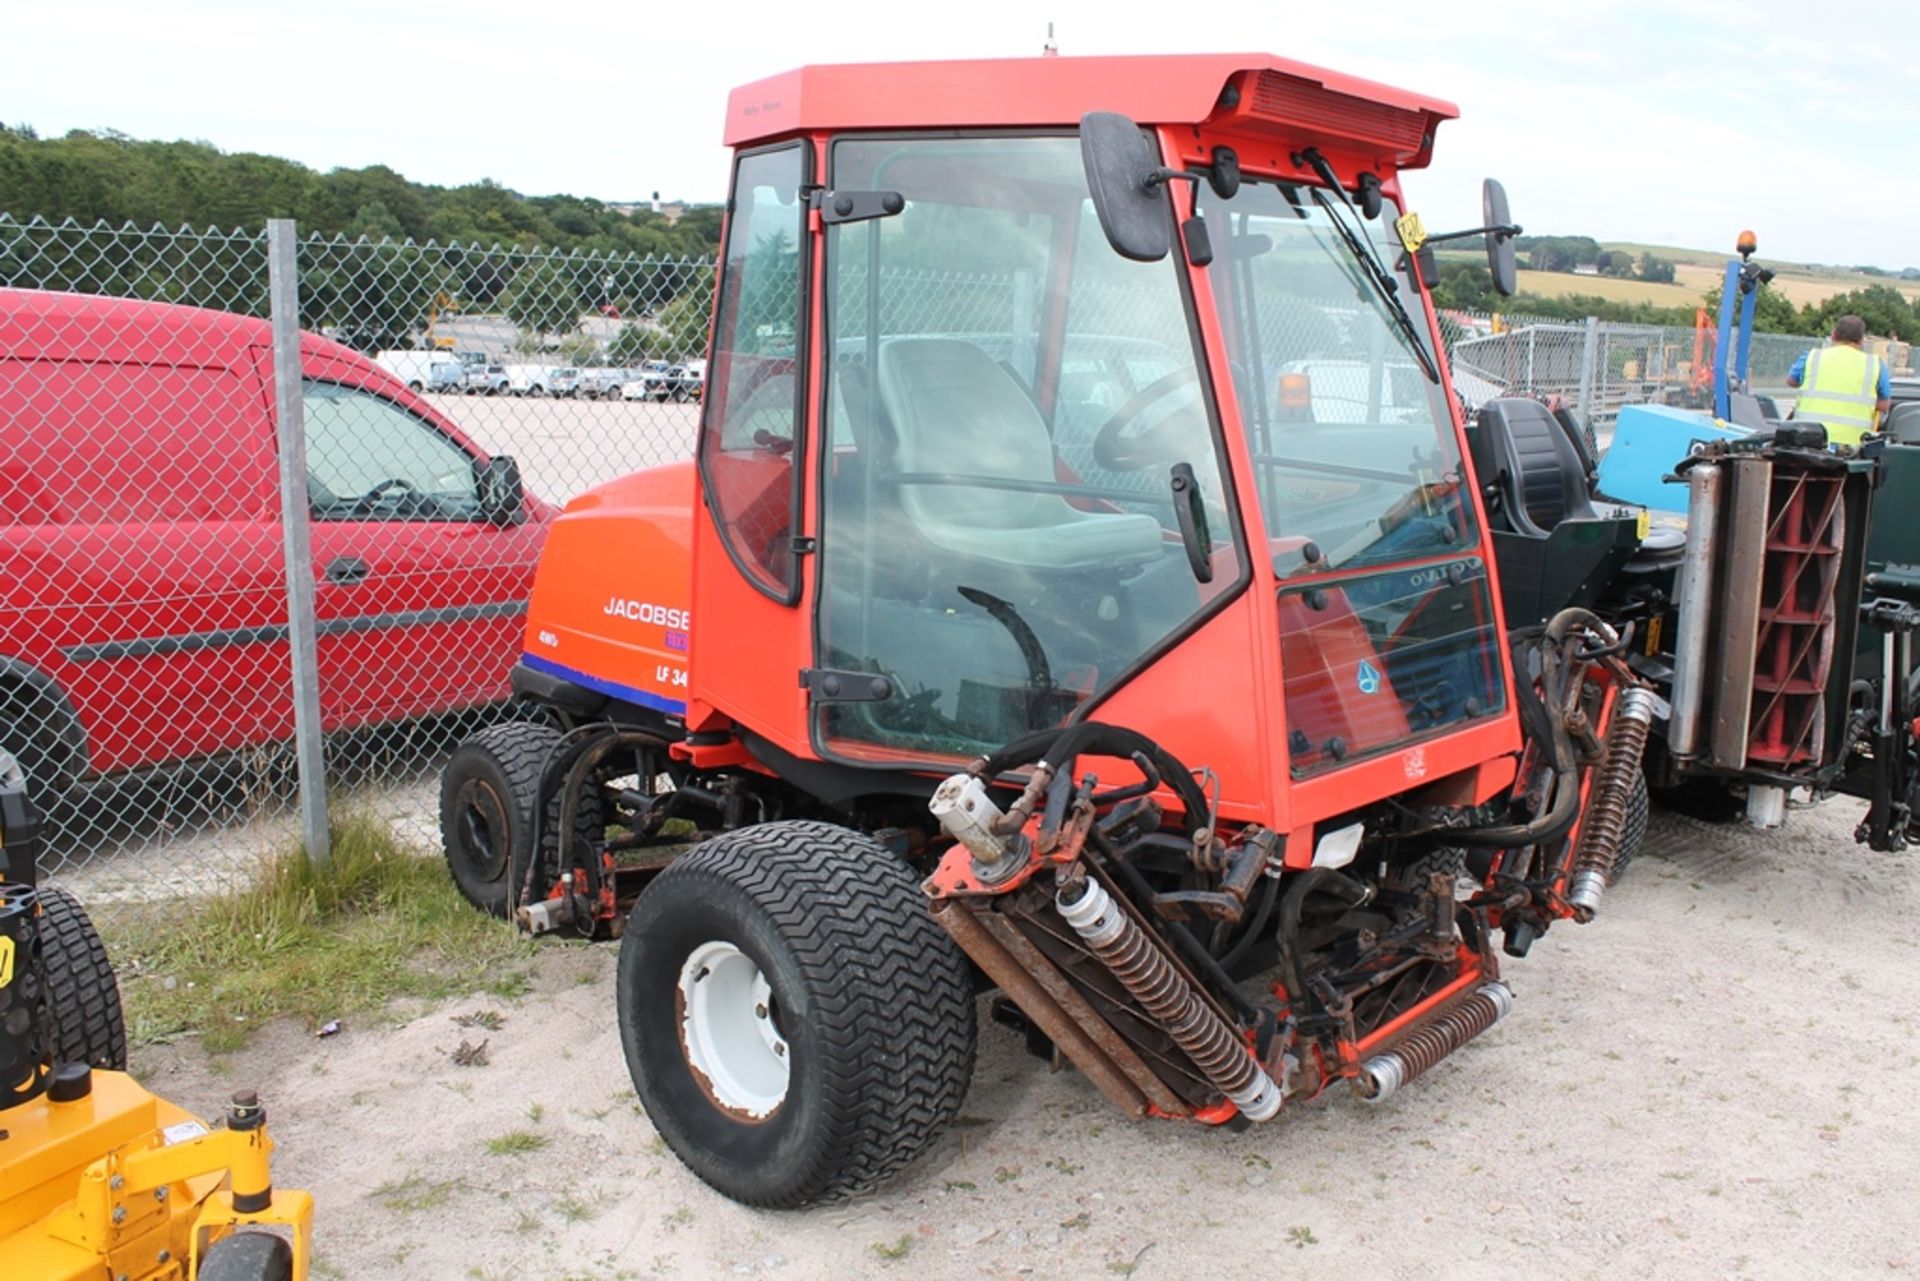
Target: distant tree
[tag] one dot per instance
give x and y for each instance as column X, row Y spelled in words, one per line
column 683, row 325
column 1655, row 268
column 1887, row 311
column 545, row 299
column 1465, row 286
column 633, row 344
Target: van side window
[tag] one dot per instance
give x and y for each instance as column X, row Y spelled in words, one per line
column 369, row 459
column 752, row 430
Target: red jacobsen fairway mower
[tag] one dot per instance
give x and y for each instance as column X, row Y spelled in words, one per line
column 1085, row 588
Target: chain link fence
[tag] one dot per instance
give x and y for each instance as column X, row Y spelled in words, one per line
column 146, row 671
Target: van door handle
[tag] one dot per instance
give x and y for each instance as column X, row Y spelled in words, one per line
column 347, row 570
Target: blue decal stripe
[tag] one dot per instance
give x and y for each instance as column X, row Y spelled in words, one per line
column 611, row 689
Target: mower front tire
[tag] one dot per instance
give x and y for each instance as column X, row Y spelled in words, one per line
column 487, row 799
column 82, row 995
column 797, row 1025
column 247, row 1256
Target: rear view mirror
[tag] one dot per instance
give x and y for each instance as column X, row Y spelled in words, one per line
column 503, row 498
column 1121, row 177
column 1500, row 233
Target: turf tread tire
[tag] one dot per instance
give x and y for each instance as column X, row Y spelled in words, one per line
column 83, row 998
column 888, row 1002
column 519, row 751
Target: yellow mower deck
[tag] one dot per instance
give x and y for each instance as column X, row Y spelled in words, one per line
column 120, row 1183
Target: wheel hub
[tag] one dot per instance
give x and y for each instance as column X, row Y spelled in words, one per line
column 730, row 1032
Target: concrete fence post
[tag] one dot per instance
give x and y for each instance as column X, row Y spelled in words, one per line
column 283, row 285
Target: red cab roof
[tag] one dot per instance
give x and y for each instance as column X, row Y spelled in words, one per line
column 1247, row 90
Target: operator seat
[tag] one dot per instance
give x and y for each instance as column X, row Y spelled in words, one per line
column 1903, row 422
column 956, row 411
column 1530, row 469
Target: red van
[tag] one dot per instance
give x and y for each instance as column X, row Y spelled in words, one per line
column 143, row 612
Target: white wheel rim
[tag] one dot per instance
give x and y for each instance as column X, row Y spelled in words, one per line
column 728, row 1033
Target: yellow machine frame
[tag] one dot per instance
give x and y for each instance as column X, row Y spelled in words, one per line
column 120, row 1183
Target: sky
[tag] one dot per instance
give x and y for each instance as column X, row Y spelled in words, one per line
column 1661, row 123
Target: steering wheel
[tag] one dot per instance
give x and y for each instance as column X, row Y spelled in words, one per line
column 393, row 484
column 1117, row 447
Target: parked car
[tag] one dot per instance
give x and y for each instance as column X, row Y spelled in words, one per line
column 488, row 379
column 529, row 380
column 413, row 368
column 674, row 382
column 143, row 599
column 604, row 382
column 564, row 381
column 445, row 377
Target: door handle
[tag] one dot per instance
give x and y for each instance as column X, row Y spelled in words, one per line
column 346, row 571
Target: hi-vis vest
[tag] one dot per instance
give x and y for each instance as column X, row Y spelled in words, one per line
column 1840, row 388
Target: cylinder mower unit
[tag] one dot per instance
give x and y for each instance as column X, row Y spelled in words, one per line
column 99, row 1178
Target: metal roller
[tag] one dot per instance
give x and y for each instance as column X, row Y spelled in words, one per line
column 1695, row 607
column 1383, row 1074
column 1605, row 822
column 1136, row 960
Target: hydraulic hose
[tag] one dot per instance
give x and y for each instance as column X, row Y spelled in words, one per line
column 1293, row 904
column 1059, row 746
column 1564, row 807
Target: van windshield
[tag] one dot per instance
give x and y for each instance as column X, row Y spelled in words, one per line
column 1353, row 445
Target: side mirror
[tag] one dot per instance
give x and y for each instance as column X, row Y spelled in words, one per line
column 1500, row 234
column 503, row 499
column 1121, row 177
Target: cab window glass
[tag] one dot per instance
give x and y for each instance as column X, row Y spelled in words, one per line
column 1013, row 403
column 369, row 459
column 752, row 428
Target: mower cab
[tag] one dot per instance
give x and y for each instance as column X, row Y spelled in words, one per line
column 1082, row 552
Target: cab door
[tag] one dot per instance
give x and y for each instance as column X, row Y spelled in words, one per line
column 749, row 636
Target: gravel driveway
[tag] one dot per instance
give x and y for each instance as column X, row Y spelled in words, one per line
column 1717, row 1078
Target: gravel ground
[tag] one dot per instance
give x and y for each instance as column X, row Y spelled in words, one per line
column 1714, row 1079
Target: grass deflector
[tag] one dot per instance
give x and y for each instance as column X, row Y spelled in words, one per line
column 1088, row 586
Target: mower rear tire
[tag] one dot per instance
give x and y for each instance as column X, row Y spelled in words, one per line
column 797, row 1025
column 247, row 1256
column 487, row 797
column 82, row 995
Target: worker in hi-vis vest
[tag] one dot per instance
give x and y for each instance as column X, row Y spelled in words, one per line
column 1842, row 385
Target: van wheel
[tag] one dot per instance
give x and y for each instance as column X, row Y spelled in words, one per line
column 82, row 996
column 416, row 386
column 486, row 813
column 797, row 1025
column 536, row 391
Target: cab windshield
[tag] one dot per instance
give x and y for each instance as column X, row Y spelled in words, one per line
column 1014, row 413
column 1352, row 442
column 1387, row 624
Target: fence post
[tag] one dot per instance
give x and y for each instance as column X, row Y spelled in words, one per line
column 283, row 286
column 1589, row 351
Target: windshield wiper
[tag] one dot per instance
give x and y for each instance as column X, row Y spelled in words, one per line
column 1374, row 271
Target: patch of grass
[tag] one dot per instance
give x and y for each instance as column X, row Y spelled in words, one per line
column 891, row 1251
column 515, row 1143
column 381, row 921
column 415, row 1194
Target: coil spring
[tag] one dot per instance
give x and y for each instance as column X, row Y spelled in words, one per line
column 1145, row 972
column 1605, row 822
column 1414, row 1057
